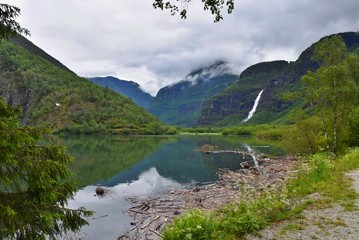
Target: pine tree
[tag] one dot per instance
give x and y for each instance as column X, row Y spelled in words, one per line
column 8, row 25
column 34, row 185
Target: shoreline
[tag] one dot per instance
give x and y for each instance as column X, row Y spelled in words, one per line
column 151, row 215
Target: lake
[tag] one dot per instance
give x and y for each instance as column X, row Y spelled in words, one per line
column 143, row 167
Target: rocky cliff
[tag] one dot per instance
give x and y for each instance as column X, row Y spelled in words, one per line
column 180, row 103
column 233, row 104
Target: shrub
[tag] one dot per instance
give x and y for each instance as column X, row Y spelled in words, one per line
column 192, row 225
column 252, row 212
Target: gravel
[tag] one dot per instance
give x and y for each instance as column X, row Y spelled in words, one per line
column 333, row 222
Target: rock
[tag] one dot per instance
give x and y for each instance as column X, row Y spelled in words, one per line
column 100, row 191
column 245, row 165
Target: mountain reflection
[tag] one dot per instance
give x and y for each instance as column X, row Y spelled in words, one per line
column 112, row 160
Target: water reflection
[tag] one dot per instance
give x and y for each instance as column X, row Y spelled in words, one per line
column 109, row 220
column 98, row 159
column 143, row 166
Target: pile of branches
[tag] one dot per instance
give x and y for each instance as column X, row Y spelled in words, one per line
column 150, row 216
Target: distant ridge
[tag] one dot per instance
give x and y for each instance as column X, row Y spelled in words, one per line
column 127, row 88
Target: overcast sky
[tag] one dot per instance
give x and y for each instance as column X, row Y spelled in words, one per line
column 130, row 40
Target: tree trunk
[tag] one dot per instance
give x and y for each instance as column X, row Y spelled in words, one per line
column 325, row 132
column 335, row 136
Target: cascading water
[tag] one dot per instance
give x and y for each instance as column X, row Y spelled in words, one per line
column 254, row 108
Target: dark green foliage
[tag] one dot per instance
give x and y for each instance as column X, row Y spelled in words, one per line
column 202, row 130
column 332, row 90
column 273, row 132
column 56, row 98
column 354, row 127
column 306, row 136
column 33, row 186
column 244, row 131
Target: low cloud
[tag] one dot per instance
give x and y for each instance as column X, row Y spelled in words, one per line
column 133, row 41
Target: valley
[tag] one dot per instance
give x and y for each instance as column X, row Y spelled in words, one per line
column 140, row 147
column 215, row 96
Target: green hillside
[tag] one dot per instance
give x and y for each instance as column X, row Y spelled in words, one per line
column 54, row 97
column 277, row 78
column 232, row 105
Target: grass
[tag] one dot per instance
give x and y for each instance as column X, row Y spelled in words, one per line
column 253, row 211
column 323, row 222
column 195, row 134
column 292, row 227
column 273, row 132
column 327, row 176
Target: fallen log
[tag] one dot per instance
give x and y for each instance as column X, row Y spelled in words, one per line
column 163, row 210
column 150, row 222
column 157, row 233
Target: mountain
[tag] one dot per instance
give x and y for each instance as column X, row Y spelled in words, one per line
column 127, row 88
column 32, row 48
column 180, row 104
column 232, row 105
column 53, row 96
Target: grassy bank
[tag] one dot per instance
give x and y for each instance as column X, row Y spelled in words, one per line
column 259, row 131
column 253, row 211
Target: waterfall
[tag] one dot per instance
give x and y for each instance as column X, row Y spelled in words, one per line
column 254, row 108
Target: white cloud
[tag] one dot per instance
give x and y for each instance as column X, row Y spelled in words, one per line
column 131, row 40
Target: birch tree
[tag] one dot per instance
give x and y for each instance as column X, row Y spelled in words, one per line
column 332, row 90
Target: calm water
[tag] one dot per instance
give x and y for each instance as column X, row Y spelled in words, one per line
column 143, row 166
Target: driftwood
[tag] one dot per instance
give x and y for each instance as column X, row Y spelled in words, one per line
column 150, row 216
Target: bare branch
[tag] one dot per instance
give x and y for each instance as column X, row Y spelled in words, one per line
column 213, row 6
